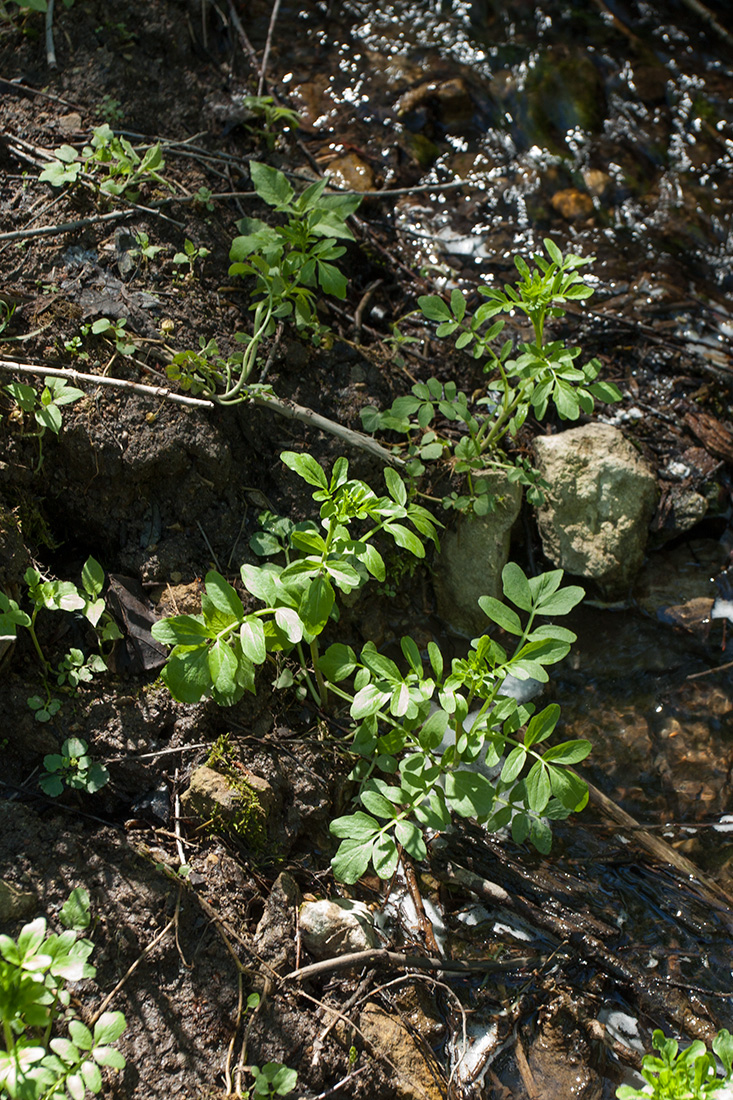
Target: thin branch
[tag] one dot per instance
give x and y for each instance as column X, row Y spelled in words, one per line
column 268, row 43
column 415, row 962
column 50, row 47
column 99, row 380
column 65, row 227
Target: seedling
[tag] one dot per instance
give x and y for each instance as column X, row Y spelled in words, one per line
column 274, row 1079
column 37, row 1064
column 543, row 373
column 690, row 1074
column 110, row 161
column 264, row 107
column 110, row 109
column 45, row 407
column 74, row 768
column 144, row 249
column 114, row 331
column 189, row 256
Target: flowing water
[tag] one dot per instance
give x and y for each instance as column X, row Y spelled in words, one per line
column 609, row 127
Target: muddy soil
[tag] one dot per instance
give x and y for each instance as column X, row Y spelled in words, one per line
column 159, row 493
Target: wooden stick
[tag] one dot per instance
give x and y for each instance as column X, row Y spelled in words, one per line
column 99, row 380
column 381, row 955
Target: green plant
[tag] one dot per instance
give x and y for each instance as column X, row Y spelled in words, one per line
column 189, row 256
column 61, row 596
column 215, row 653
column 113, row 331
column 74, row 768
column 450, row 741
column 144, row 249
column 204, row 197
column 37, row 1064
column 6, row 314
column 111, row 162
column 110, row 109
column 690, row 1074
column 45, row 406
column 274, row 1079
column 264, row 107
column 542, row 373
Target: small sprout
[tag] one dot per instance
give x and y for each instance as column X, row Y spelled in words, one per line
column 74, row 768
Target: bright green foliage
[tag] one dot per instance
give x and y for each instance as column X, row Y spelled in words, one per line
column 189, row 256
column 62, row 596
column 541, row 374
column 45, row 407
column 74, row 768
column 34, row 970
column 690, row 1074
column 290, row 262
column 421, row 731
column 112, row 162
column 113, row 331
column 216, row 653
column 274, row 1079
column 264, row 107
column 144, row 249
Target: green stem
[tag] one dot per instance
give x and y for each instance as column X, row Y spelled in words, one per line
column 322, row 685
column 34, row 639
column 308, row 679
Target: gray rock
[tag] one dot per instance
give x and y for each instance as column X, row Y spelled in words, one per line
column 603, row 495
column 338, row 927
column 275, row 935
column 472, row 558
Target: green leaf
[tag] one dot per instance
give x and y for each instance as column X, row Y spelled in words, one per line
column 433, row 730
column 368, row 701
column 181, row 630
column 562, row 602
column 516, row 586
column 406, row 539
column 351, row 860
column 252, row 639
column 358, row 826
column 513, row 764
column 395, row 485
column 570, row 752
column 469, row 793
column 109, row 1027
column 270, row 185
column 75, row 910
column 553, row 251
column 385, row 856
column 222, row 666
column 290, row 623
column 542, row 725
column 306, row 467
column 319, row 601
column 92, row 577
column 502, row 615
column 186, row 674
column 411, row 839
column 338, row 662
column 377, row 804
column 223, row 597
column 538, row 788
column 331, row 280
column 434, row 308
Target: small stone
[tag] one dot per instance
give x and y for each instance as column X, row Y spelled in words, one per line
column 69, row 124
column 351, row 173
column 275, row 935
column 572, row 204
column 240, row 808
column 338, row 927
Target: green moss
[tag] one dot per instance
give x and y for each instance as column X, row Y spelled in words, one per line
column 249, row 823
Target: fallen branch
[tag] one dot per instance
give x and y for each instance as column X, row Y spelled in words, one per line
column 287, row 409
column 100, row 380
column 379, row 955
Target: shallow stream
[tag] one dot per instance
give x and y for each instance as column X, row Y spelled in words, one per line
column 608, row 127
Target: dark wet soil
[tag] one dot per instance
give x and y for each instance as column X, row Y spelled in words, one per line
column 160, row 494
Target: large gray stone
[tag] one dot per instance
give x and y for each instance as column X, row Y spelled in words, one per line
column 602, row 497
column 472, row 558
column 338, row 927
